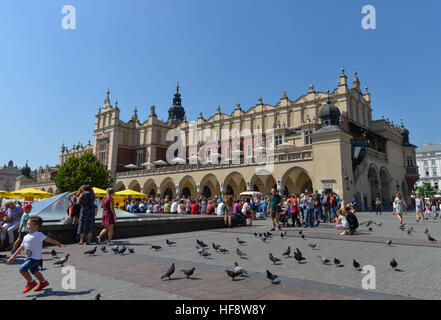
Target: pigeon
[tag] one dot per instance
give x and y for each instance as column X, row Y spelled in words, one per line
column 188, row 272
column 312, row 245
column 115, row 249
column 299, row 252
column 103, row 249
column 271, row 276
column 402, row 227
column 303, row 236
column 239, row 269
column 122, row 250
column 394, row 264
column 62, row 261
column 240, row 253
column 98, row 296
column 232, row 274
column 300, row 232
column 241, row 242
column 131, row 250
column 269, row 235
column 205, row 253
column 169, row 272
column 324, row 260
column 356, row 265
column 170, row 243
column 264, row 239
column 389, row 242
column 216, row 247
column 411, row 228
column 370, row 229
column 336, row 262
column 379, row 224
column 223, row 250
column 260, row 235
column 200, row 250
column 273, row 259
column 53, row 253
column 298, row 257
column 426, row 231
column 287, row 252
column 283, row 234
column 157, row 247
column 91, row 252
column 255, row 234
column 201, row 243
column 408, row 231
column 429, row 237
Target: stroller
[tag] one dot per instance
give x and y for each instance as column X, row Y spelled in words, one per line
column 285, row 215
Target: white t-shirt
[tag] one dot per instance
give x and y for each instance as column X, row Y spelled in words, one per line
column 343, row 221
column 245, row 207
column 174, row 207
column 33, row 244
column 221, row 209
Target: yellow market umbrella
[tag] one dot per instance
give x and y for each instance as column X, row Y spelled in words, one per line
column 31, row 194
column 4, row 194
column 99, row 193
column 129, row 193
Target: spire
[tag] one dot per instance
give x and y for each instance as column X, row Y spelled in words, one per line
column 176, row 113
column 152, row 111
column 311, row 88
column 107, row 100
column 135, row 115
column 367, row 95
column 343, row 80
column 259, row 101
column 356, row 82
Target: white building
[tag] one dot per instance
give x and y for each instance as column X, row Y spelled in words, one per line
column 429, row 164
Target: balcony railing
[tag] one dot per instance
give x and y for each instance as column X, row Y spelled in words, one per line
column 168, row 169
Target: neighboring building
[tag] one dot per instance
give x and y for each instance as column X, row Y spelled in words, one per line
column 428, row 159
column 8, row 174
column 42, row 179
column 77, row 150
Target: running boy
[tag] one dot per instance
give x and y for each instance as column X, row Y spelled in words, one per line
column 22, row 229
column 33, row 244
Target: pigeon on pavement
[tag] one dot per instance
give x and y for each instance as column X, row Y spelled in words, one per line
column 170, row 243
column 240, row 253
column 356, row 265
column 273, row 259
column 394, row 264
column 232, row 274
column 92, row 251
column 62, row 261
column 169, row 272
column 188, row 272
column 287, row 252
column 271, row 276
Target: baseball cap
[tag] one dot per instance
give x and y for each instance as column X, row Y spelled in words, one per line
column 27, row 206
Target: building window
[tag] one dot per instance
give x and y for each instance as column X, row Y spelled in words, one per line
column 228, row 153
column 433, row 162
column 434, row 171
column 308, row 137
column 436, row 186
column 209, row 155
column 426, row 163
column 139, row 158
column 427, row 171
column 278, row 140
column 102, row 150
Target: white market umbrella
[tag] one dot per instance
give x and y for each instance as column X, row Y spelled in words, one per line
column 178, row 160
column 131, row 166
column 160, row 162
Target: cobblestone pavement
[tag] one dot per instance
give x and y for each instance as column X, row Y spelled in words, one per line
column 137, row 276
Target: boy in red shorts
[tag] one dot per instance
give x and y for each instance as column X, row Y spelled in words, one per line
column 33, row 244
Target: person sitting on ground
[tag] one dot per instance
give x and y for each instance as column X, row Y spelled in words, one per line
column 342, row 224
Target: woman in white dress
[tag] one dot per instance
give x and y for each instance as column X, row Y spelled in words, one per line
column 400, row 206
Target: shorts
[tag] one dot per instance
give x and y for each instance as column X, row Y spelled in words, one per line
column 22, row 234
column 333, row 212
column 340, row 226
column 274, row 213
column 31, row 265
column 229, row 211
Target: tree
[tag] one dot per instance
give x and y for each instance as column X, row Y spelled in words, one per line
column 86, row 169
column 426, row 190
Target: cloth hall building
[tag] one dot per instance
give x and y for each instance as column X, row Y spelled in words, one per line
column 320, row 141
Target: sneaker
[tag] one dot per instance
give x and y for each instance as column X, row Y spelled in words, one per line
column 110, row 243
column 30, row 286
column 343, row 233
column 42, row 285
column 98, row 240
column 272, row 229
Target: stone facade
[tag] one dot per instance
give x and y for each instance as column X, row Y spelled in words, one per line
column 364, row 159
column 428, row 158
column 8, row 174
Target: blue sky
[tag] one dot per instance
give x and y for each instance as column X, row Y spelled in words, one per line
column 223, row 52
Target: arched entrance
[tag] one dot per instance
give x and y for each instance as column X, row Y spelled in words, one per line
column 210, row 185
column 263, row 183
column 168, row 188
column 236, row 182
column 296, row 180
column 150, row 188
column 385, row 187
column 134, row 185
column 374, row 183
column 187, row 186
column 120, row 187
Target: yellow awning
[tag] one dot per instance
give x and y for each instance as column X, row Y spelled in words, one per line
column 129, row 193
column 30, row 194
column 99, row 193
